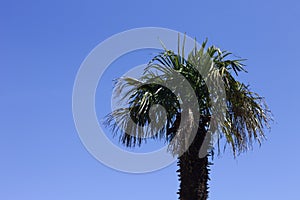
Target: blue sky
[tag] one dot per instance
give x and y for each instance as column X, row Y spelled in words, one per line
column 42, row 46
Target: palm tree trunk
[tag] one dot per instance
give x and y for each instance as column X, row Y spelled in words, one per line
column 193, row 172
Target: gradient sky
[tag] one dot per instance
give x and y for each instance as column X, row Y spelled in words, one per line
column 43, row 43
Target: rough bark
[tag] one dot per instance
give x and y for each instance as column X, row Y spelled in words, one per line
column 193, row 171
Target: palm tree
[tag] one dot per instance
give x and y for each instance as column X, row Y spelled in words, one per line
column 240, row 125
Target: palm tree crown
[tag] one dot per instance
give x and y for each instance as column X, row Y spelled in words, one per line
column 241, row 124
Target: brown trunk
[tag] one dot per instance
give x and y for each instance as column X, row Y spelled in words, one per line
column 193, row 172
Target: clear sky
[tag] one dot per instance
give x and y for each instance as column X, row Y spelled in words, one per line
column 43, row 43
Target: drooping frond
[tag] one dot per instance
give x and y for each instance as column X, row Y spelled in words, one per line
column 134, row 122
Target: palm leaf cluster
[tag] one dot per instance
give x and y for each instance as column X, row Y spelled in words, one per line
column 241, row 123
